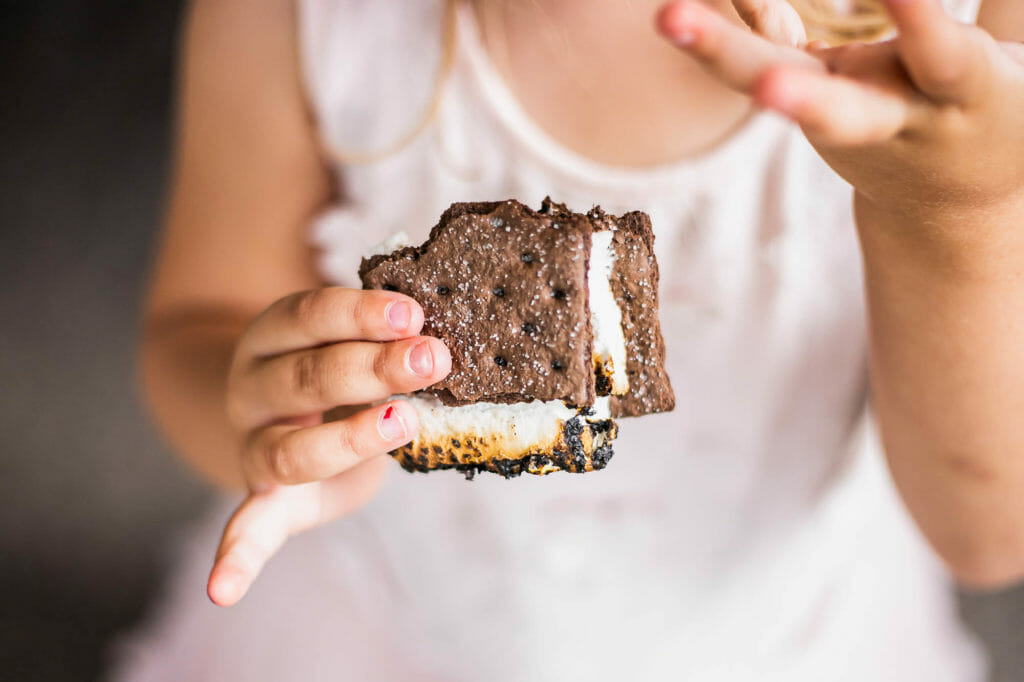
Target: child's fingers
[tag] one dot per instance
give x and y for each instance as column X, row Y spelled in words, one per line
column 776, row 20
column 945, row 58
column 265, row 521
column 731, row 52
column 342, row 494
column 255, row 532
column 289, row 455
column 349, row 373
column 329, row 315
column 833, row 110
column 876, row 65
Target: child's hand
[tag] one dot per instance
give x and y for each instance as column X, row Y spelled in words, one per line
column 306, row 354
column 929, row 129
column 932, row 120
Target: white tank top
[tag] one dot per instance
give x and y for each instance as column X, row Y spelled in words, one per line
column 751, row 534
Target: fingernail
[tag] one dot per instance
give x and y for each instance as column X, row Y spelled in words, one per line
column 399, row 314
column 677, row 23
column 421, row 359
column 391, row 426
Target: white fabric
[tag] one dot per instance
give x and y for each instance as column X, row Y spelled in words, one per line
column 751, row 534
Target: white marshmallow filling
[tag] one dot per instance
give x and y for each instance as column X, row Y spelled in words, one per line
column 605, row 314
column 398, row 240
column 516, row 429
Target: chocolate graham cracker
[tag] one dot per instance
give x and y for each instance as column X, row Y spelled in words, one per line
column 505, row 287
column 509, row 290
column 634, row 282
column 635, row 285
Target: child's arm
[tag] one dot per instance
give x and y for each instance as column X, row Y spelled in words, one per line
column 240, row 383
column 929, row 129
column 246, row 179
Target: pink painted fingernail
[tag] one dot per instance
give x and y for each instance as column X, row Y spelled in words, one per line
column 399, row 314
column 421, row 359
column 391, row 426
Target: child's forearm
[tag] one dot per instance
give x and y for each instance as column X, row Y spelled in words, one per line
column 184, row 363
column 947, row 346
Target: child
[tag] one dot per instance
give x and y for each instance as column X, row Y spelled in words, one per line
column 752, row 534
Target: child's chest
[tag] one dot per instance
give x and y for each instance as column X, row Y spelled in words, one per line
column 609, row 88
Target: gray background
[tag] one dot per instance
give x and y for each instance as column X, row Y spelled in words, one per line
column 89, row 498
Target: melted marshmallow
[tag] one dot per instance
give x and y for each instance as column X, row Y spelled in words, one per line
column 517, row 427
column 398, row 240
column 605, row 315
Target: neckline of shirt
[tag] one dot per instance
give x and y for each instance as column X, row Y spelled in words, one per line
column 505, row 105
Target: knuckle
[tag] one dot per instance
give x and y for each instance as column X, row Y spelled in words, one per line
column 361, row 309
column 359, row 440
column 307, row 308
column 959, row 62
column 382, row 362
column 279, row 461
column 947, row 74
column 351, row 443
column 308, row 374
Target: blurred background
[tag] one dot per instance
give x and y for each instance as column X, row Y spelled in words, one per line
column 90, row 500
